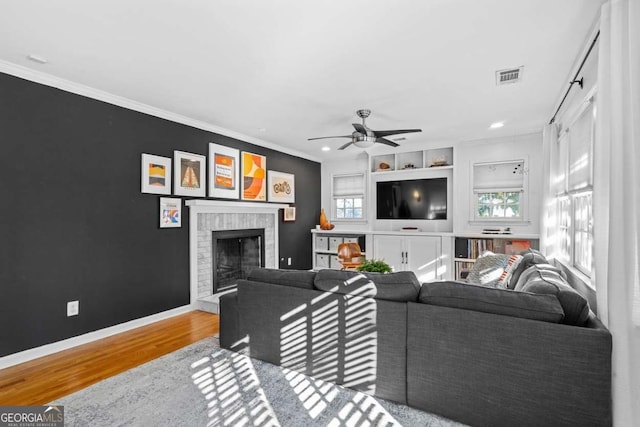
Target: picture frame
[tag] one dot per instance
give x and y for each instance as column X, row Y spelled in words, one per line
column 281, row 187
column 289, row 214
column 155, row 173
column 224, row 172
column 190, row 174
column 254, row 177
column 170, row 212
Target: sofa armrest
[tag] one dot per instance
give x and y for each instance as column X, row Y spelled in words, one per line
column 231, row 336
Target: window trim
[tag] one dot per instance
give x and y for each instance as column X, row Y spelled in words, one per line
column 523, row 218
column 363, row 195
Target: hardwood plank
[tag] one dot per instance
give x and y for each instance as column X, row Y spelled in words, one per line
column 48, row 378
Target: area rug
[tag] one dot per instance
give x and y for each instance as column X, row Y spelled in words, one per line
column 204, row 385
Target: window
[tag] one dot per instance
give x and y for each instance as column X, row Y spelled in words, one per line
column 499, row 205
column 348, row 197
column 574, row 194
column 498, row 191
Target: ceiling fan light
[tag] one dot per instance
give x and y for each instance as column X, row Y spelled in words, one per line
column 364, row 142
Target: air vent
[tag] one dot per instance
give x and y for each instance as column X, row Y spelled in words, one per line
column 511, row 75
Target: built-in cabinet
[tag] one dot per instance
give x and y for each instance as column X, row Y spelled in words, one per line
column 325, row 247
column 420, row 254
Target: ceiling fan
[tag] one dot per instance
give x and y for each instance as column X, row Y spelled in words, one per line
column 363, row 137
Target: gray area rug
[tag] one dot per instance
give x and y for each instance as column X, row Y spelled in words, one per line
column 204, row 385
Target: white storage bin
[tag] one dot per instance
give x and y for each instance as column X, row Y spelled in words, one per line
column 322, row 243
column 333, row 243
column 335, row 263
column 322, row 261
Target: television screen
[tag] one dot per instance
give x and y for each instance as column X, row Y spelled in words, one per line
column 412, row 199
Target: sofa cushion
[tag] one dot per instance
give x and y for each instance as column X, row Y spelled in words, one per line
column 398, row 286
column 493, row 270
column 506, row 302
column 297, row 278
column 546, row 281
column 529, row 257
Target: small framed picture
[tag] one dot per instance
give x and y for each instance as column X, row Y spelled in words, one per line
column 170, row 212
column 281, row 187
column 189, row 176
column 289, row 214
column 224, row 172
column 156, row 174
column 254, row 177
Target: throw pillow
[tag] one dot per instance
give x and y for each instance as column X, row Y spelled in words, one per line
column 493, row 270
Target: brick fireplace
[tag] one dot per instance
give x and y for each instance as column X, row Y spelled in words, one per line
column 208, row 216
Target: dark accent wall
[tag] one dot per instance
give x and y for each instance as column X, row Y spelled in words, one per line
column 74, row 225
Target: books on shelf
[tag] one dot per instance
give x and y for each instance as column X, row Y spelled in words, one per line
column 514, row 247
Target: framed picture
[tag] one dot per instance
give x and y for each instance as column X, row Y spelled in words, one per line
column 189, row 176
column 289, row 214
column 170, row 212
column 281, row 187
column 254, row 177
column 156, row 174
column 224, row 172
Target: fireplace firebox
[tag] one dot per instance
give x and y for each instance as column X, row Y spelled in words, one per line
column 235, row 253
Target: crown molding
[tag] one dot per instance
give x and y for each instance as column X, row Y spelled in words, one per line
column 89, row 92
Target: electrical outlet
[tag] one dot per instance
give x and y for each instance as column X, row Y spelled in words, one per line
column 289, row 261
column 73, row 308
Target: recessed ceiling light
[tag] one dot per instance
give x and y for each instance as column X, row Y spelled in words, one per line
column 496, row 125
column 325, row 148
column 36, row 58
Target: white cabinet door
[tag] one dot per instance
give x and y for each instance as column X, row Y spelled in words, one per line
column 423, row 256
column 389, row 249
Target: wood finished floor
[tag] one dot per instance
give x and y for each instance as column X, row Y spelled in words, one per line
column 48, row 378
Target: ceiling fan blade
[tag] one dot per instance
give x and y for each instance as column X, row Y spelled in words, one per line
column 329, row 137
column 360, row 128
column 387, row 142
column 382, row 133
column 345, row 145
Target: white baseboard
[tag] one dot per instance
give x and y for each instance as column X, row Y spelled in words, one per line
column 45, row 350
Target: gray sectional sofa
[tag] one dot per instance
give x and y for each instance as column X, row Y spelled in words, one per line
column 529, row 356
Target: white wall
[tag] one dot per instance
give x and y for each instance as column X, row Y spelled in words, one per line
column 528, row 147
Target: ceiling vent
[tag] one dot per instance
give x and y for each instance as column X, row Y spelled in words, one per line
column 511, row 75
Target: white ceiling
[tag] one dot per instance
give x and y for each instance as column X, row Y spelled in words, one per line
column 283, row 71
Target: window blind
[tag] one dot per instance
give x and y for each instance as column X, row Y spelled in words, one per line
column 580, row 150
column 346, row 185
column 505, row 176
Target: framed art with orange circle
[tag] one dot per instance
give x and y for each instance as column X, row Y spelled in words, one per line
column 254, row 177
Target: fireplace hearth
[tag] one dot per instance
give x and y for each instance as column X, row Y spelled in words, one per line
column 234, row 254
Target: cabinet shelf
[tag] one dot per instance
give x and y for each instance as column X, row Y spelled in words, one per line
column 413, row 160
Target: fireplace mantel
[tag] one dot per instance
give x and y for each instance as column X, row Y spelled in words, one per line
column 217, row 206
column 210, row 215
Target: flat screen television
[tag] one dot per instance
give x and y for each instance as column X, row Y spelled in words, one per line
column 424, row 199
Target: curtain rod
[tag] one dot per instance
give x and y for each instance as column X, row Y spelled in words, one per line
column 575, row 78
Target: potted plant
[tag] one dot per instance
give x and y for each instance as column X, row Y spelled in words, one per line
column 374, row 266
